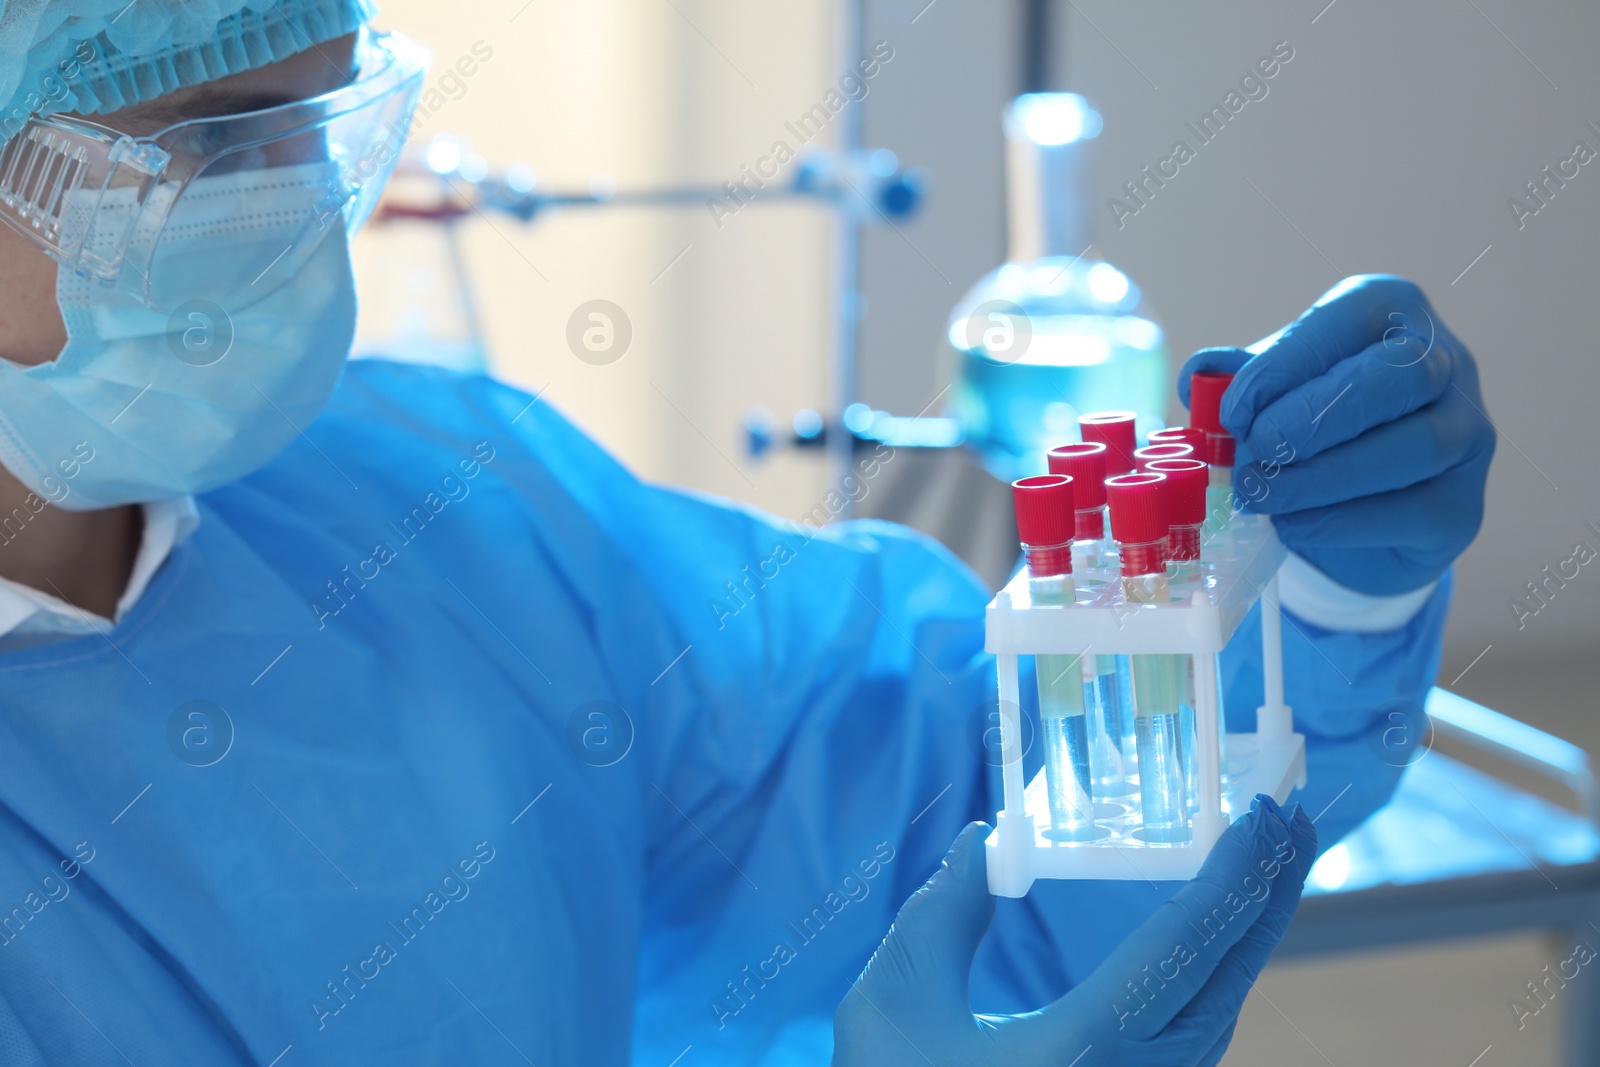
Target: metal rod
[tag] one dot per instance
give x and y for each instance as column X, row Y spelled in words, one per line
column 690, row 194
column 466, row 294
column 1036, row 23
column 846, row 262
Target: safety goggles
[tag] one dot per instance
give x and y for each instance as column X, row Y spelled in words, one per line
column 127, row 210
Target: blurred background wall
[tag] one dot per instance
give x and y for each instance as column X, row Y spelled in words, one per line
column 1391, row 142
column 644, row 94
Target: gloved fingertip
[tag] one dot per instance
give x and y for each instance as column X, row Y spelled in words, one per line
column 967, row 851
column 1303, row 828
column 1259, row 828
column 1263, row 802
column 971, row 836
column 1219, row 358
column 1272, row 827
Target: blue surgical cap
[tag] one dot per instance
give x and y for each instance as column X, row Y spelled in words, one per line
column 94, row 56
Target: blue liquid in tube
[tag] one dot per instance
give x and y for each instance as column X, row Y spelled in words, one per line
column 1164, row 785
column 1064, row 724
column 1108, row 760
column 1114, row 693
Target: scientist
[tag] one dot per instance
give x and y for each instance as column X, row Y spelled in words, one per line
column 370, row 714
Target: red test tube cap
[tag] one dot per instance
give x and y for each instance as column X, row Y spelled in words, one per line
column 1143, row 457
column 1205, row 407
column 1181, row 435
column 1205, row 399
column 1186, row 489
column 1114, row 429
column 1044, row 509
column 1138, row 508
column 1085, row 464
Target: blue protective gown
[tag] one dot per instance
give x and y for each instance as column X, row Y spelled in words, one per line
column 503, row 756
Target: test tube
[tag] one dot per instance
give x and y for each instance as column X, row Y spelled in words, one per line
column 1143, row 457
column 1045, row 526
column 1139, row 526
column 1205, row 406
column 1187, row 485
column 1108, row 677
column 1114, row 429
column 1114, row 690
column 1188, row 481
column 1085, row 464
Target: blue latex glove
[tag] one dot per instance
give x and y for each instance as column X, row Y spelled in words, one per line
column 1167, row 996
column 1362, row 431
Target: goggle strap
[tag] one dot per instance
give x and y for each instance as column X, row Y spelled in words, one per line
column 45, row 168
column 40, row 170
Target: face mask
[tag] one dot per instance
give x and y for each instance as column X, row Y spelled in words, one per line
column 141, row 404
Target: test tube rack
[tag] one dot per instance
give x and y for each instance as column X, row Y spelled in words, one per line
column 1241, row 566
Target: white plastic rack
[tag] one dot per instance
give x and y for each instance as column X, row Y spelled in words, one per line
column 1239, row 567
